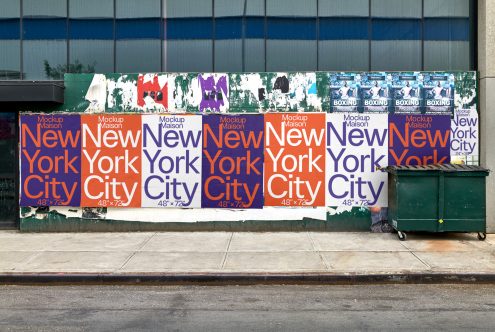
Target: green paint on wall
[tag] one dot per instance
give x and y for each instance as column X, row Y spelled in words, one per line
column 323, row 90
column 242, row 100
column 76, row 87
column 358, row 219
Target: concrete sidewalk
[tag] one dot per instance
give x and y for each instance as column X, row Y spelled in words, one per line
column 211, row 256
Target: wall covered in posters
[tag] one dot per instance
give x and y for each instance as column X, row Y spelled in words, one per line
column 240, row 146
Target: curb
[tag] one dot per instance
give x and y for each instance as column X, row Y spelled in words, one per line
column 242, row 279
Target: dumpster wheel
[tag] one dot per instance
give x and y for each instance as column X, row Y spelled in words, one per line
column 402, row 236
column 481, row 236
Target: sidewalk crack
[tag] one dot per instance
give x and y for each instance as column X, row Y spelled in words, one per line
column 141, row 246
column 421, row 260
column 226, row 251
column 327, row 267
column 26, row 261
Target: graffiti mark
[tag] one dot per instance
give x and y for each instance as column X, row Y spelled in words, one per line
column 261, row 94
column 282, row 83
column 213, row 93
column 152, row 89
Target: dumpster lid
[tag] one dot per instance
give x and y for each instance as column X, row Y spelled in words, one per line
column 436, row 167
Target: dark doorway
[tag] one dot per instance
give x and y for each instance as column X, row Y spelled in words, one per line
column 8, row 171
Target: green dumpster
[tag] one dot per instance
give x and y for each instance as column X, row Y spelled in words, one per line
column 437, row 198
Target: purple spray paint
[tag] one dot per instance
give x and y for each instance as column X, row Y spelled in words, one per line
column 213, row 94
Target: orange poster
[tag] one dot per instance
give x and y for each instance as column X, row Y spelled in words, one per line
column 295, row 159
column 111, row 160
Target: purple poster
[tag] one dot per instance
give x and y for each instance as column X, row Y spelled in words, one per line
column 419, row 139
column 233, row 161
column 50, row 160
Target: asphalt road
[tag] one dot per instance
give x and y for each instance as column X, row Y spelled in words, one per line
column 247, row 308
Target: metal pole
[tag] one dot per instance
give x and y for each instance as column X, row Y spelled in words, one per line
column 244, row 37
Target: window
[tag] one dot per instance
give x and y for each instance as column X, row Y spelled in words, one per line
column 40, row 40
column 189, row 35
column 91, row 33
column 291, row 43
column 10, row 46
column 396, row 35
column 343, row 35
column 446, row 35
column 44, row 39
column 138, row 34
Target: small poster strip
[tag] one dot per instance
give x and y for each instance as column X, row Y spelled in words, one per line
column 438, row 91
column 376, row 94
column 407, row 93
column 345, row 92
column 464, row 138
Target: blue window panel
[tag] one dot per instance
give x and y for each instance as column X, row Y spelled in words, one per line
column 355, row 28
column 45, row 28
column 255, row 27
column 189, row 28
column 138, row 28
column 228, row 28
column 91, row 29
column 455, row 29
column 231, row 27
column 396, row 29
column 10, row 28
column 292, row 28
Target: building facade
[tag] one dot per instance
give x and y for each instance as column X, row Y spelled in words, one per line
column 43, row 40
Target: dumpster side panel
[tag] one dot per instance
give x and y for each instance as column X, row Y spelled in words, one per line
column 417, row 202
column 465, row 205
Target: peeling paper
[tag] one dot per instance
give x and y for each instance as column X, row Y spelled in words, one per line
column 303, row 96
column 97, row 94
column 122, row 93
column 203, row 215
column 339, row 210
column 26, row 214
column 68, row 212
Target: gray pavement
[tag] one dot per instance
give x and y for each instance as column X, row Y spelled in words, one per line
column 244, row 253
column 248, row 308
